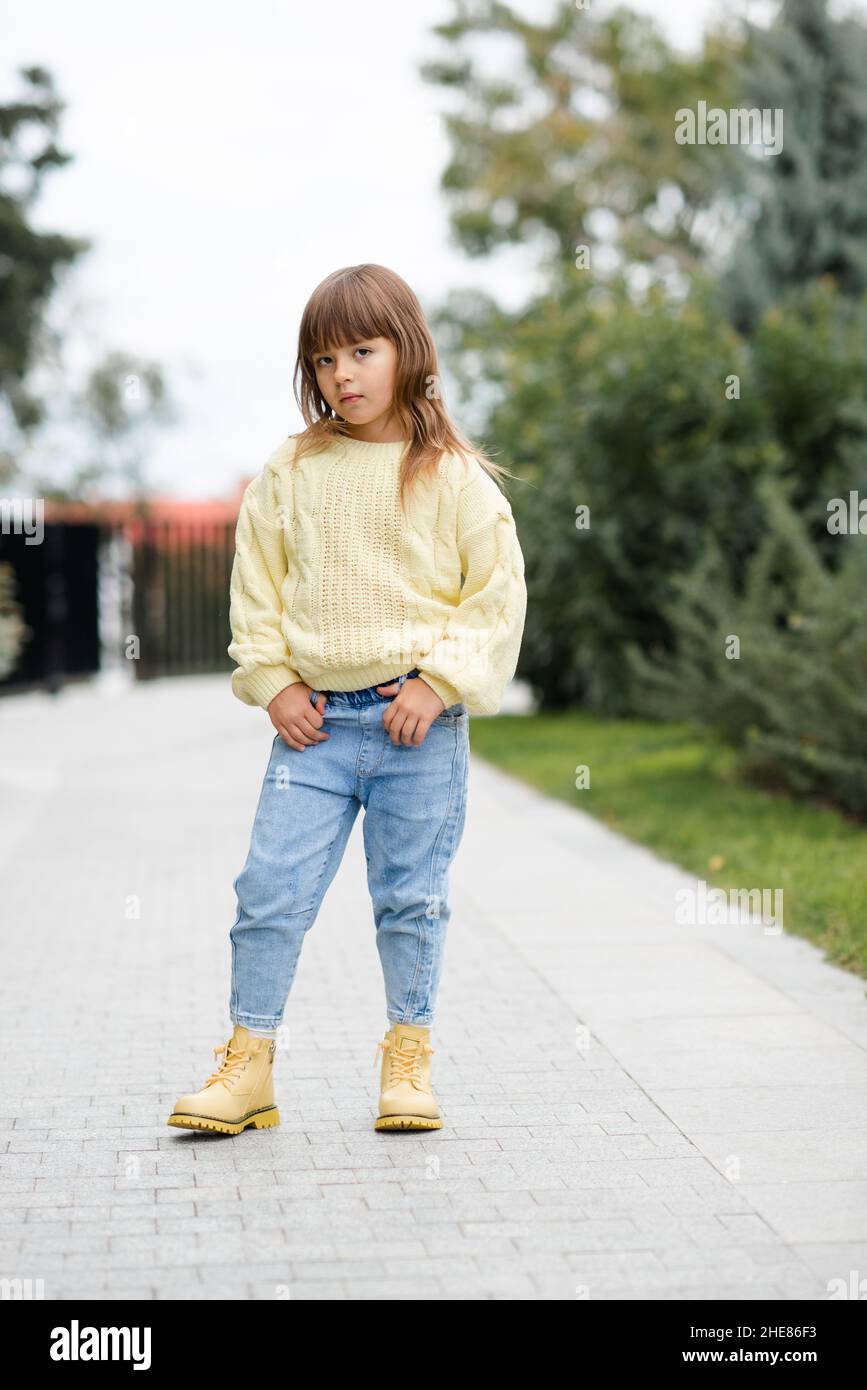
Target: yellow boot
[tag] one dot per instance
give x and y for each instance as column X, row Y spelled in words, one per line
column 406, row 1100
column 239, row 1093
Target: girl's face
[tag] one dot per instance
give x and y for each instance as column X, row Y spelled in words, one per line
column 357, row 381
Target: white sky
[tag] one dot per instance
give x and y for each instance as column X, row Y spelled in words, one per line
column 228, row 157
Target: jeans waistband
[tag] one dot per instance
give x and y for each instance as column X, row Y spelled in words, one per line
column 366, row 696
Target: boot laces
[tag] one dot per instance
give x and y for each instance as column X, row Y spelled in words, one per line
column 403, row 1066
column 232, row 1065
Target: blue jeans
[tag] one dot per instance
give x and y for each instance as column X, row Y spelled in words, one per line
column 414, row 799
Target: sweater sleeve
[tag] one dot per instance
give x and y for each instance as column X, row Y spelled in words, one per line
column 258, row 646
column 476, row 655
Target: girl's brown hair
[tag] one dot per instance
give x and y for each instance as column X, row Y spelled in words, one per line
column 371, row 301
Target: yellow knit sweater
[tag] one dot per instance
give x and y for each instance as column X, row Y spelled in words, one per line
column 334, row 585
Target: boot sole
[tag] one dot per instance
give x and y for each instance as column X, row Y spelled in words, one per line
column 407, row 1122
column 260, row 1119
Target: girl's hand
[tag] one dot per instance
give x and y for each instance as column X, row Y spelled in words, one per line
column 295, row 719
column 411, row 713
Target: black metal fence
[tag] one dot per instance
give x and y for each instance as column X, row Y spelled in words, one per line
column 54, row 584
column 172, row 600
column 181, row 573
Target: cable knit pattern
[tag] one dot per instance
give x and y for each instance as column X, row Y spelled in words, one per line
column 335, row 585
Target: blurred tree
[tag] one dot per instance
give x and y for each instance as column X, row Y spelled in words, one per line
column 571, row 138
column 810, row 213
column 103, row 424
column 30, row 261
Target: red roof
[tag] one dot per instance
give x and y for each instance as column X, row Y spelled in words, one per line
column 127, row 513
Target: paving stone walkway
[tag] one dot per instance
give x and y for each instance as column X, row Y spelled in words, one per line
column 633, row 1109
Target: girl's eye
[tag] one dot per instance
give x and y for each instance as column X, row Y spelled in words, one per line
column 317, row 361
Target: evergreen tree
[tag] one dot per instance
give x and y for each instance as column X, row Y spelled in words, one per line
column 811, row 198
column 792, row 694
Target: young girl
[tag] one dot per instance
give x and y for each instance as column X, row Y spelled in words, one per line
column 351, row 628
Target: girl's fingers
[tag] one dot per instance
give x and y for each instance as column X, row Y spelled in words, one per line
column 309, row 728
column 288, row 738
column 304, row 734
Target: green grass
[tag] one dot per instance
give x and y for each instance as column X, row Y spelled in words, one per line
column 677, row 791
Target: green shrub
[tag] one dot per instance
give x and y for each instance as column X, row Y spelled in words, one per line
column 13, row 630
column 795, row 698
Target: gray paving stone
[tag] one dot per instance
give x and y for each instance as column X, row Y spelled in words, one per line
column 632, row 1106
